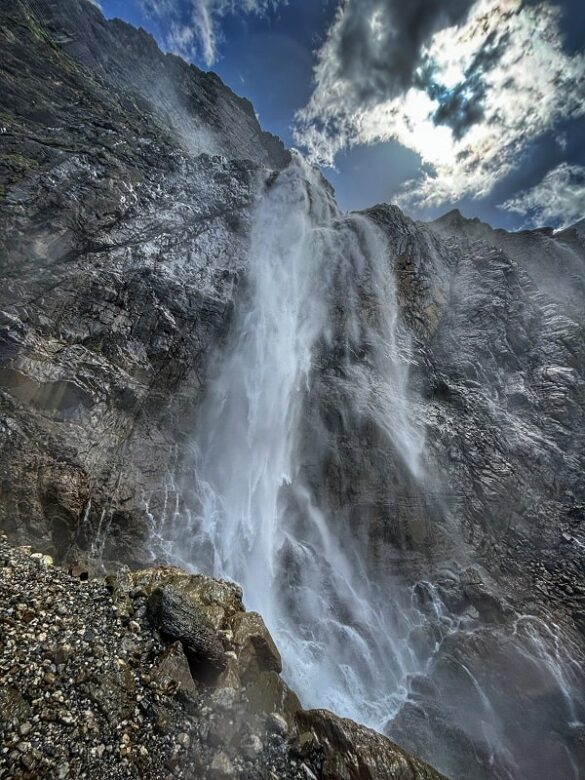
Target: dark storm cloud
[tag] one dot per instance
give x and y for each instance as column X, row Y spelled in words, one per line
column 380, row 42
column 461, row 107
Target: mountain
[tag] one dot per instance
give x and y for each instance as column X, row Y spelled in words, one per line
column 375, row 425
column 578, row 227
column 99, row 199
column 554, row 261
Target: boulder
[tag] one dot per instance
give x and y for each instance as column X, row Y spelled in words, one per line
column 180, row 618
column 173, row 669
column 256, row 650
column 354, row 752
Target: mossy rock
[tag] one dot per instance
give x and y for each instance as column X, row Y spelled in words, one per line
column 19, row 161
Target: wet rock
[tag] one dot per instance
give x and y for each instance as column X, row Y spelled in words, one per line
column 256, row 649
column 179, row 618
column 268, row 693
column 352, row 752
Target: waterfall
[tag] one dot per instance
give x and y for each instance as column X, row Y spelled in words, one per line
column 258, row 523
column 319, row 298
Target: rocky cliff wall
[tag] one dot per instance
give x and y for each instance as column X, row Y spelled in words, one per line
column 122, row 244
column 127, row 183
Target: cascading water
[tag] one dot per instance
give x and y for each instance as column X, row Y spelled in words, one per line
column 307, row 580
column 354, row 640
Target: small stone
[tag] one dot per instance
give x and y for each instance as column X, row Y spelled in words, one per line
column 63, row 771
column 62, row 654
column 28, row 761
column 252, row 747
column 25, row 728
column 66, row 717
column 221, row 767
column 43, row 560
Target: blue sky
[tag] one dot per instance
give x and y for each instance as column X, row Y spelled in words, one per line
column 399, row 105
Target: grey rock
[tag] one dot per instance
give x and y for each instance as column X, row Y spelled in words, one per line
column 221, row 767
column 351, row 752
column 178, row 618
column 173, row 668
column 257, row 651
column 138, row 244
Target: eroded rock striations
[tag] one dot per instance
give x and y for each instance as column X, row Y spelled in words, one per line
column 109, row 679
column 122, row 240
column 127, row 182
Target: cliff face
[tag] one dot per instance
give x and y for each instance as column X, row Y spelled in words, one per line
column 508, row 360
column 127, row 186
column 122, row 237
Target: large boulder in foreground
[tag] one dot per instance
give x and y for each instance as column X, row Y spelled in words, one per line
column 103, row 679
column 177, row 617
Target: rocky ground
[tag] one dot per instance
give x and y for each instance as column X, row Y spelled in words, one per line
column 154, row 675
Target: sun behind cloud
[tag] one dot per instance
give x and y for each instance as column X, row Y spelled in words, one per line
column 466, row 96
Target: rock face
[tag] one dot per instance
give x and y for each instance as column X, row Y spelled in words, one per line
column 127, row 181
column 352, row 752
column 92, row 688
column 508, row 358
column 123, row 237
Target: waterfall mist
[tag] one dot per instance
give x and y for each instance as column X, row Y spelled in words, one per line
column 356, row 638
column 259, row 523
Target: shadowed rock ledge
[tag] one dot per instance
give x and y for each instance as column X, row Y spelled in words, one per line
column 159, row 674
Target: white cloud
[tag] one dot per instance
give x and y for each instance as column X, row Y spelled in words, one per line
column 193, row 27
column 479, row 92
column 558, row 200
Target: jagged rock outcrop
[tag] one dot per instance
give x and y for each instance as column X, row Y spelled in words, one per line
column 93, row 685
